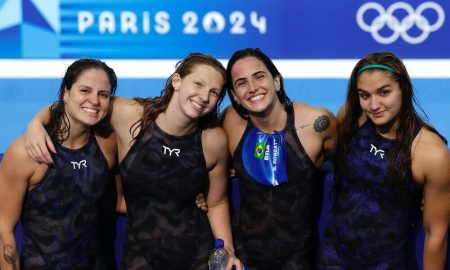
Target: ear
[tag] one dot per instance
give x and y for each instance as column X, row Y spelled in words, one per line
column 66, row 95
column 277, row 82
column 176, row 81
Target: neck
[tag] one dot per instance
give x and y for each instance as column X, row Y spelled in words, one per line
column 78, row 137
column 273, row 119
column 175, row 125
column 388, row 130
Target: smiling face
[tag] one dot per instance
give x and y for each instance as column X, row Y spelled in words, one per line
column 87, row 101
column 380, row 98
column 254, row 87
column 198, row 92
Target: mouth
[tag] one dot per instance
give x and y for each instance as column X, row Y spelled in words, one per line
column 377, row 114
column 90, row 110
column 198, row 106
column 256, row 98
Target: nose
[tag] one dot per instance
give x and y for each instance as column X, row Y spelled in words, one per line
column 374, row 104
column 204, row 96
column 94, row 99
column 252, row 86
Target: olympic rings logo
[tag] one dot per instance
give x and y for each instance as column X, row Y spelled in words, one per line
column 401, row 27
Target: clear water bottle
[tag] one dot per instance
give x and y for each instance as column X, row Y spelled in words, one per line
column 218, row 259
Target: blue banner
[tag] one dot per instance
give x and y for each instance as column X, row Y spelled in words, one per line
column 291, row 29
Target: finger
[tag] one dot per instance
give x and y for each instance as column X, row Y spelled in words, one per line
column 230, row 263
column 44, row 155
column 30, row 151
column 50, row 144
column 237, row 264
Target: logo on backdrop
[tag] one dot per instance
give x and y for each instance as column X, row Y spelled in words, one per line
column 401, row 27
column 29, row 29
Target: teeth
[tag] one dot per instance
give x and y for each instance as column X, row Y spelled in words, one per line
column 198, row 106
column 257, row 97
column 90, row 110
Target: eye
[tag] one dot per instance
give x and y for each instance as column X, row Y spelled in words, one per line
column 198, row 84
column 105, row 95
column 384, row 92
column 214, row 93
column 240, row 83
column 363, row 95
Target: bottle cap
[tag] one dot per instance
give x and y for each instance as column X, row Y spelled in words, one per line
column 219, row 243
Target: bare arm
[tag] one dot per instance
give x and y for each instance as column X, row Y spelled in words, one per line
column 124, row 112
column 38, row 142
column 215, row 148
column 432, row 164
column 330, row 140
column 16, row 168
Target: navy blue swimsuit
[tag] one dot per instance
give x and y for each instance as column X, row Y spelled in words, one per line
column 60, row 217
column 277, row 224
column 369, row 227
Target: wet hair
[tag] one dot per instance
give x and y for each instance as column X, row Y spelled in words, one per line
column 258, row 54
column 152, row 107
column 58, row 127
column 399, row 164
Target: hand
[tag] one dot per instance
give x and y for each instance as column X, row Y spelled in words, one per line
column 38, row 144
column 233, row 262
column 201, row 202
column 232, row 172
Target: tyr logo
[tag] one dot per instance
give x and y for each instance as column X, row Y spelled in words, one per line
column 77, row 165
column 376, row 151
column 170, row 151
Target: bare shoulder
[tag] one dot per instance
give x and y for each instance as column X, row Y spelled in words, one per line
column 125, row 108
column 234, row 126
column 214, row 138
column 431, row 156
column 232, row 119
column 17, row 150
column 15, row 157
column 320, row 119
column 215, row 146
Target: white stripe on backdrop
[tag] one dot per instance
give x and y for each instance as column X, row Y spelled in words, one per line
column 290, row 69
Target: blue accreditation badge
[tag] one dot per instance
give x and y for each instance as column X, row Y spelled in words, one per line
column 264, row 157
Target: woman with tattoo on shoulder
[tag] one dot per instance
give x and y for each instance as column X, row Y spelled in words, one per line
column 277, row 148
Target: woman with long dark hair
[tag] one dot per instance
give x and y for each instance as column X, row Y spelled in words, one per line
column 277, row 148
column 387, row 157
column 59, row 205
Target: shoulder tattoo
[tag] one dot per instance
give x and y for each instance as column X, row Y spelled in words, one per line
column 321, row 123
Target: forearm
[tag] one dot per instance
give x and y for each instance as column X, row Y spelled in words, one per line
column 9, row 258
column 41, row 118
column 219, row 218
column 435, row 252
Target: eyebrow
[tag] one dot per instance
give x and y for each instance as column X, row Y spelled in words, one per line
column 378, row 89
column 253, row 75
